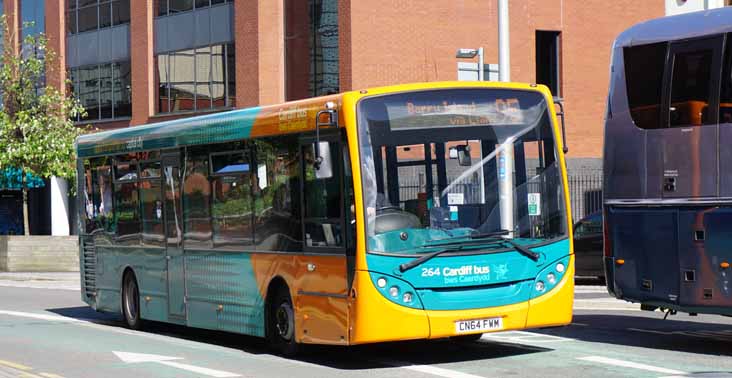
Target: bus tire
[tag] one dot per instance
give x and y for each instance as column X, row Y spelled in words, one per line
column 131, row 302
column 281, row 324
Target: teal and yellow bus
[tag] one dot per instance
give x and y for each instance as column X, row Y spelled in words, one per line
column 415, row 211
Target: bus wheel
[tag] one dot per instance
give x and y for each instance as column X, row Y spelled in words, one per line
column 281, row 335
column 467, row 338
column 131, row 301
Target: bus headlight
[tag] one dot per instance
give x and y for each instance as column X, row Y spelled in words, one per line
column 559, row 267
column 540, row 286
column 551, row 278
column 407, row 297
column 394, row 291
column 381, row 282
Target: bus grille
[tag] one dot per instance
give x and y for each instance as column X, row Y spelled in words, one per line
column 89, row 266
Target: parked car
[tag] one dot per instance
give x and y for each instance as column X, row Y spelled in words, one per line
column 588, row 246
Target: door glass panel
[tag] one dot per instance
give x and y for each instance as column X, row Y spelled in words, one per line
column 322, row 191
column 152, row 212
column 690, row 88
column 172, row 207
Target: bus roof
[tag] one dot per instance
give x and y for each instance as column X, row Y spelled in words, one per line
column 290, row 117
column 219, row 127
column 683, row 26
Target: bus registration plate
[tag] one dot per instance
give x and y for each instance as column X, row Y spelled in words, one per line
column 487, row 324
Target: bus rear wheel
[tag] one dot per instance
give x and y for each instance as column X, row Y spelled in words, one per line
column 131, row 301
column 281, row 324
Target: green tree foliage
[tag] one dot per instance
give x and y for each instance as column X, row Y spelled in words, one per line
column 36, row 129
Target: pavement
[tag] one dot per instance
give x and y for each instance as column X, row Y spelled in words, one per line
column 43, row 280
column 50, row 333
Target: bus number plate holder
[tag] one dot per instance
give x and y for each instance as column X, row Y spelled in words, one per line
column 476, row 325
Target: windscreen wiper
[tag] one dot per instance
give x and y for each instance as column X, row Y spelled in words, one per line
column 493, row 237
column 470, row 236
column 521, row 249
column 423, row 259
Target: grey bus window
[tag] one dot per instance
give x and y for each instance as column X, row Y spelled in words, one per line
column 150, row 170
column 277, row 225
column 127, row 213
column 690, row 88
column 227, row 163
column 725, row 95
column 152, row 212
column 125, row 171
column 197, row 199
column 323, row 202
column 644, row 66
column 232, row 210
column 97, row 194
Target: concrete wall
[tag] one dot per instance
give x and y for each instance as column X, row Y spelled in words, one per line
column 39, row 253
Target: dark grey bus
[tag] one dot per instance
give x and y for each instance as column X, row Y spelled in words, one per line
column 668, row 164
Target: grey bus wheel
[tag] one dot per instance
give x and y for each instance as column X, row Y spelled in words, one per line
column 131, row 302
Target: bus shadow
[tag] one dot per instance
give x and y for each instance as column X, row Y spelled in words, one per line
column 371, row 356
column 682, row 335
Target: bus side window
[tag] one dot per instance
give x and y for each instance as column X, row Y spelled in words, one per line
column 151, row 199
column 725, row 96
column 196, row 199
column 90, row 190
column 97, row 194
column 644, row 66
column 126, row 202
column 276, row 190
column 232, row 199
column 690, row 88
column 322, row 196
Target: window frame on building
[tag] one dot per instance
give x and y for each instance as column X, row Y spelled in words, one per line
column 115, row 79
column 162, row 7
column 75, row 7
column 164, row 66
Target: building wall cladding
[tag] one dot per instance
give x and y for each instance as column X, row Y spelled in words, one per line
column 400, row 41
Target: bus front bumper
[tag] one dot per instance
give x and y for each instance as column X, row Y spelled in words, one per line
column 376, row 319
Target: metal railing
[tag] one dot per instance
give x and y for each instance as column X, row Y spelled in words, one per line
column 585, row 188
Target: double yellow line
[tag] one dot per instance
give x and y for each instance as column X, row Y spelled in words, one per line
column 26, row 371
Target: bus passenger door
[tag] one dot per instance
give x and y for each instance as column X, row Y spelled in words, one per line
column 690, row 142
column 322, row 273
column 173, row 237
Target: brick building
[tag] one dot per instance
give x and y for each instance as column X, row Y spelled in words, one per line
column 132, row 62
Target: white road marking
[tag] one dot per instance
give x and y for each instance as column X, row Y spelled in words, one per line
column 629, row 364
column 135, row 358
column 99, row 325
column 428, row 369
column 52, row 318
column 523, row 337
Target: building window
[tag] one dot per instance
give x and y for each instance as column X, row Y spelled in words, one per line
column 168, row 7
column 33, row 17
column 88, row 15
column 311, row 48
column 104, row 90
column 548, row 60
column 196, row 80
